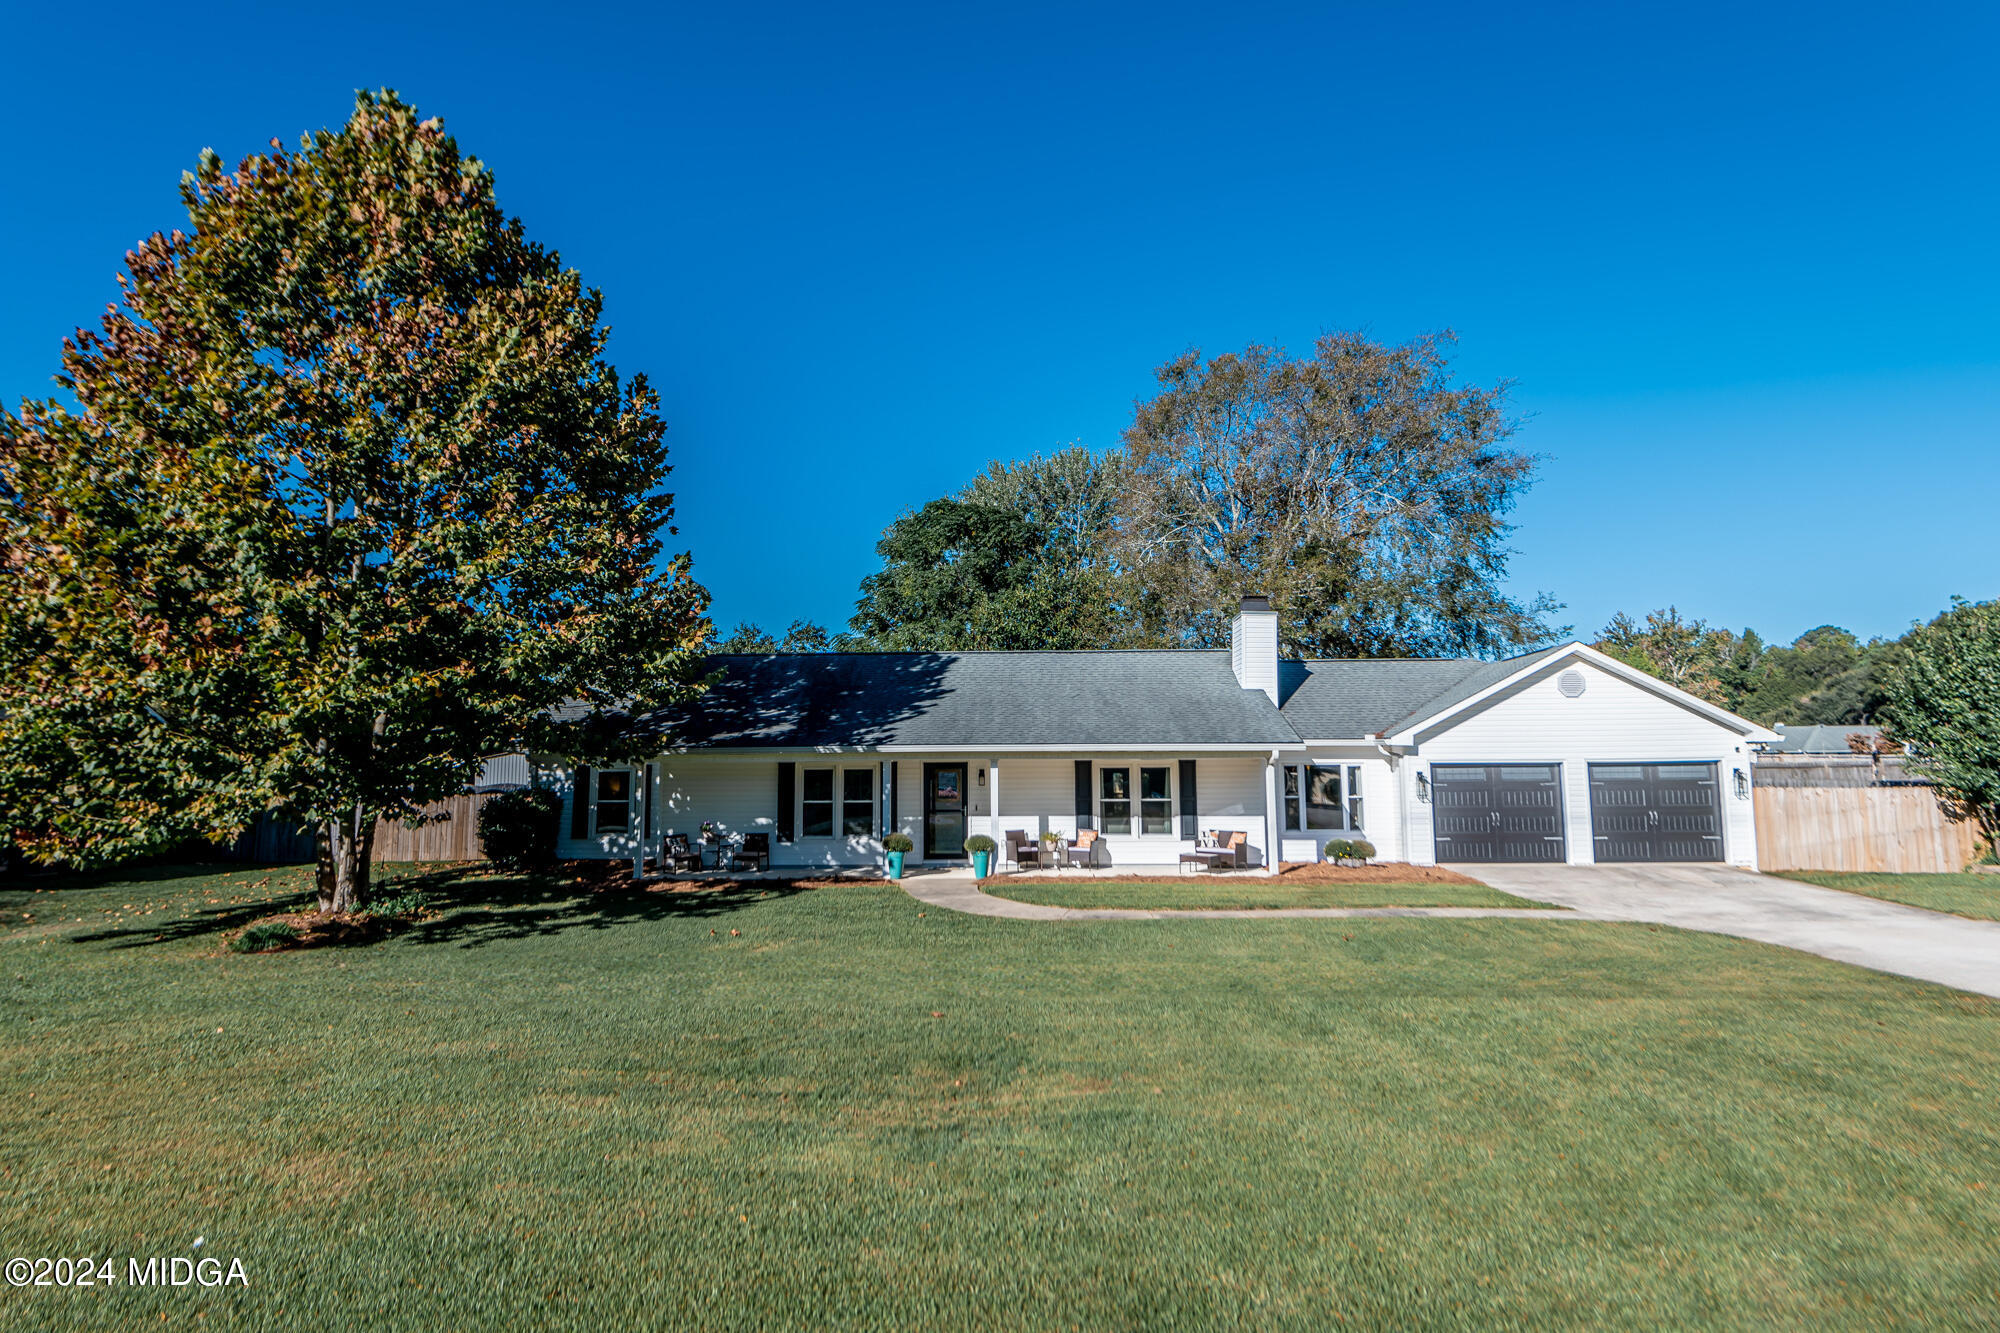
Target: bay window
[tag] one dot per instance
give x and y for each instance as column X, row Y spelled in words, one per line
column 1317, row 798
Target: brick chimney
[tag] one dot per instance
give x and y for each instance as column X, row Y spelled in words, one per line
column 1253, row 646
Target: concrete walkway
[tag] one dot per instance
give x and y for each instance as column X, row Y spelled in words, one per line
column 960, row 893
column 1846, row 927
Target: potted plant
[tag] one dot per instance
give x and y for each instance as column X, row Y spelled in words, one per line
column 1050, row 841
column 897, row 845
column 981, row 848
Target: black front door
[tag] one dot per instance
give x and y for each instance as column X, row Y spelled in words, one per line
column 944, row 811
column 1655, row 812
column 1497, row 812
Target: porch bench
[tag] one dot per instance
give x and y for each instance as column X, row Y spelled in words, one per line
column 1232, row 853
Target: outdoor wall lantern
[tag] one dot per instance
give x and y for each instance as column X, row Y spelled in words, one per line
column 1423, row 788
column 1742, row 785
column 982, row 777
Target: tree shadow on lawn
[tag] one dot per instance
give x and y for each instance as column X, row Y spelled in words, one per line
column 471, row 909
column 216, row 921
column 472, row 906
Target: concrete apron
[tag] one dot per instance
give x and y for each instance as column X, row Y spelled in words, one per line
column 1722, row 900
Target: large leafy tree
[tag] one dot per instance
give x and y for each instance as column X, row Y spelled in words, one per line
column 1020, row 559
column 957, row 576
column 1361, row 488
column 347, row 497
column 1944, row 705
column 1685, row 653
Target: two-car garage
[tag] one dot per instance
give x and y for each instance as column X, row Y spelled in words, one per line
column 1639, row 811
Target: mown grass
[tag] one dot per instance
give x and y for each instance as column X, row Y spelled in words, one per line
column 1260, row 893
column 545, row 1107
column 1969, row 893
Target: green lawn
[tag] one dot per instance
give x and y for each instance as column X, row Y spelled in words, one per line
column 1968, row 894
column 1258, row 893
column 544, row 1108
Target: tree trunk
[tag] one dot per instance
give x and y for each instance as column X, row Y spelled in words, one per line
column 323, row 837
column 346, row 856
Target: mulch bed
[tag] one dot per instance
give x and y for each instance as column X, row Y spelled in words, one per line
column 719, row 885
column 1289, row 872
column 316, row 930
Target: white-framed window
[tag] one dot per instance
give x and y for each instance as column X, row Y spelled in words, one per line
column 837, row 801
column 1148, row 811
column 857, row 802
column 614, row 800
column 1317, row 799
column 816, row 803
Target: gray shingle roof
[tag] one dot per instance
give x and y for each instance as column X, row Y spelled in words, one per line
column 1348, row 698
column 1100, row 699
column 1812, row 738
column 948, row 700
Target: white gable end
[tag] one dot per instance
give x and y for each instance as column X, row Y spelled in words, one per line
column 1610, row 721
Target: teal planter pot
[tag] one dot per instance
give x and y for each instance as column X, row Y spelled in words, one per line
column 895, row 865
column 981, row 863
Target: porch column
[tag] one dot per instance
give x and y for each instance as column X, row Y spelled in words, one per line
column 993, row 809
column 1272, row 847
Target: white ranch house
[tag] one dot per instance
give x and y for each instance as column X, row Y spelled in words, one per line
column 1560, row 755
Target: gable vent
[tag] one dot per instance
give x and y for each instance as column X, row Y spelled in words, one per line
column 1570, row 683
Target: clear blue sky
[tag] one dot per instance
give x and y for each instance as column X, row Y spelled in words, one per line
column 1739, row 260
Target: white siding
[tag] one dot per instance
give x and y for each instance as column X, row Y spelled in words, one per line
column 1253, row 651
column 1612, row 721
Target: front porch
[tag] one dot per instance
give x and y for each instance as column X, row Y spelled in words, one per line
column 829, row 813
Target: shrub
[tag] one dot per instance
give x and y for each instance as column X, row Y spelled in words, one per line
column 266, row 936
column 518, row 828
column 1339, row 849
column 405, row 902
column 979, row 842
column 1361, row 849
column 898, row 842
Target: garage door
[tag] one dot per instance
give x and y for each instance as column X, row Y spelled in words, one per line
column 1497, row 812
column 1655, row 812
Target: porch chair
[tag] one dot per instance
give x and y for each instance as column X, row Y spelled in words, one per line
column 1021, row 850
column 753, row 854
column 1082, row 850
column 676, row 854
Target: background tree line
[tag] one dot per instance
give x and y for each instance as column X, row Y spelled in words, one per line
column 1826, row 675
column 1361, row 488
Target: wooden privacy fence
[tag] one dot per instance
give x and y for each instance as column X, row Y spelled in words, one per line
column 454, row 838
column 1899, row 830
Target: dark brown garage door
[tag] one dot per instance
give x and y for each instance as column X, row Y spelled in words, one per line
column 1497, row 812
column 1655, row 812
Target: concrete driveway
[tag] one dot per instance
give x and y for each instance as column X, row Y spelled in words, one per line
column 1845, row 927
